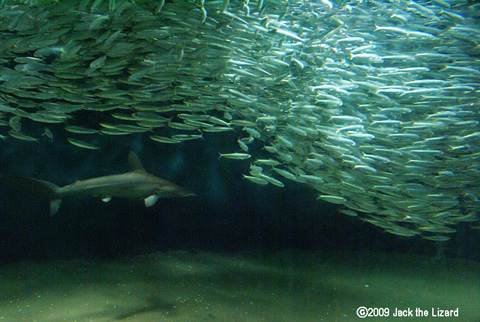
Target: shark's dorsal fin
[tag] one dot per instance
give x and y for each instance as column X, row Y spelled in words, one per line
column 134, row 163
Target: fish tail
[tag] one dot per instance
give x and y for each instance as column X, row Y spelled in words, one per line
column 45, row 189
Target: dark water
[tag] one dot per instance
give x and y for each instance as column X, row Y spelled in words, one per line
column 229, row 213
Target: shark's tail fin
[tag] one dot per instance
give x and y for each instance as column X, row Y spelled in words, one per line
column 45, row 189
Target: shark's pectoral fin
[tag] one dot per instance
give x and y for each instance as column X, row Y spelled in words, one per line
column 54, row 206
column 150, row 201
column 106, row 199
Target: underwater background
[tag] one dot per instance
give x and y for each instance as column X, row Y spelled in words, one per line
column 228, row 214
column 333, row 148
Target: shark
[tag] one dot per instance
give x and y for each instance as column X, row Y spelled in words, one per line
column 136, row 183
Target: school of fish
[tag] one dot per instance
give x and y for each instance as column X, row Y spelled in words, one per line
column 374, row 104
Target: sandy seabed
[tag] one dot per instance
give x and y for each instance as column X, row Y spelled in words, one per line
column 285, row 286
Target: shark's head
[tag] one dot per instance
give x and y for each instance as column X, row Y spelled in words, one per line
column 166, row 189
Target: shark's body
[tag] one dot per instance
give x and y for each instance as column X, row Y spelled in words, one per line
column 136, row 183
